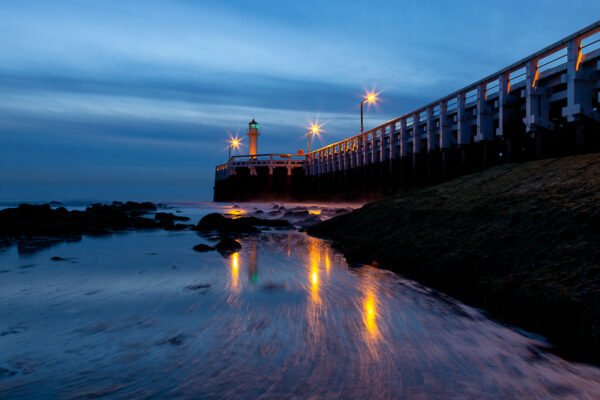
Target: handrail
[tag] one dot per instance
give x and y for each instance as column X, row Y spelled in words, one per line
column 261, row 158
column 548, row 50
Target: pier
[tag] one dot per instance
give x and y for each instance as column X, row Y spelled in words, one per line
column 544, row 105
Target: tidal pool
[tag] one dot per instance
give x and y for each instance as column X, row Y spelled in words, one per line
column 141, row 315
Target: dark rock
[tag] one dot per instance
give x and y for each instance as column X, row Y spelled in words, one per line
column 217, row 222
column 56, row 258
column 296, row 214
column 228, row 245
column 198, row 287
column 310, row 221
column 168, row 217
column 203, row 248
column 43, row 222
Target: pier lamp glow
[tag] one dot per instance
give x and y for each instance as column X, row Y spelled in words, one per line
column 234, row 143
column 371, row 97
column 314, row 130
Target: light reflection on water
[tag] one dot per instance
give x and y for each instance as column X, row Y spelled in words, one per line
column 142, row 315
column 235, row 273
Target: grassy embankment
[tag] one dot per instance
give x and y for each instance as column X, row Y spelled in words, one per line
column 521, row 241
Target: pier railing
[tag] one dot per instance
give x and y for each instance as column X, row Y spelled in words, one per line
column 560, row 76
column 271, row 161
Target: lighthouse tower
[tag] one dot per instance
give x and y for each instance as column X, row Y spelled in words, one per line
column 253, row 134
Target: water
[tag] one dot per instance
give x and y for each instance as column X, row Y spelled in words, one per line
column 141, row 315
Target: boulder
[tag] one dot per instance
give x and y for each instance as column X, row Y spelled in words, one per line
column 217, row 222
column 203, row 248
column 228, row 245
column 168, row 217
column 310, row 221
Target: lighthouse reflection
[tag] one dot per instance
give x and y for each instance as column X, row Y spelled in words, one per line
column 252, row 263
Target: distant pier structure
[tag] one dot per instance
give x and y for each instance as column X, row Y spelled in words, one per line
column 259, row 176
column 544, row 105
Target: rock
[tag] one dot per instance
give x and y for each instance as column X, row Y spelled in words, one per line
column 343, row 210
column 296, row 214
column 217, row 222
column 228, row 245
column 310, row 221
column 134, row 206
column 198, row 287
column 203, row 247
column 34, row 227
column 168, row 218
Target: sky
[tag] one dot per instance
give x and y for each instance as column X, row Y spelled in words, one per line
column 103, row 100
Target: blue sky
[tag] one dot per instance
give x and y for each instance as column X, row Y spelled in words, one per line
column 116, row 99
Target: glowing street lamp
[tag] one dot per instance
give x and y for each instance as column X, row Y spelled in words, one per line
column 369, row 99
column 233, row 143
column 315, row 131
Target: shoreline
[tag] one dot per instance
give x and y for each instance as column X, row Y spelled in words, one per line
column 518, row 241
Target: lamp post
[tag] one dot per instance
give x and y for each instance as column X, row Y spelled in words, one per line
column 234, row 143
column 370, row 98
column 314, row 130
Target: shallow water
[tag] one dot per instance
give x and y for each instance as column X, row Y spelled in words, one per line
column 142, row 315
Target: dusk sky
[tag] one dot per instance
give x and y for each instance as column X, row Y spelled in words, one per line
column 107, row 100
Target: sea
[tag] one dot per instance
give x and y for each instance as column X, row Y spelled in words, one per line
column 141, row 315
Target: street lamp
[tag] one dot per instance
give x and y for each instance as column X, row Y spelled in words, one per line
column 314, row 130
column 369, row 99
column 234, row 143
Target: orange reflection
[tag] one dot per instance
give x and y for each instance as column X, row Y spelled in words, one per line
column 314, row 212
column 235, row 273
column 314, row 306
column 370, row 314
column 314, row 279
column 236, row 212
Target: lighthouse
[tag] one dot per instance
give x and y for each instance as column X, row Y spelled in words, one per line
column 253, row 134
